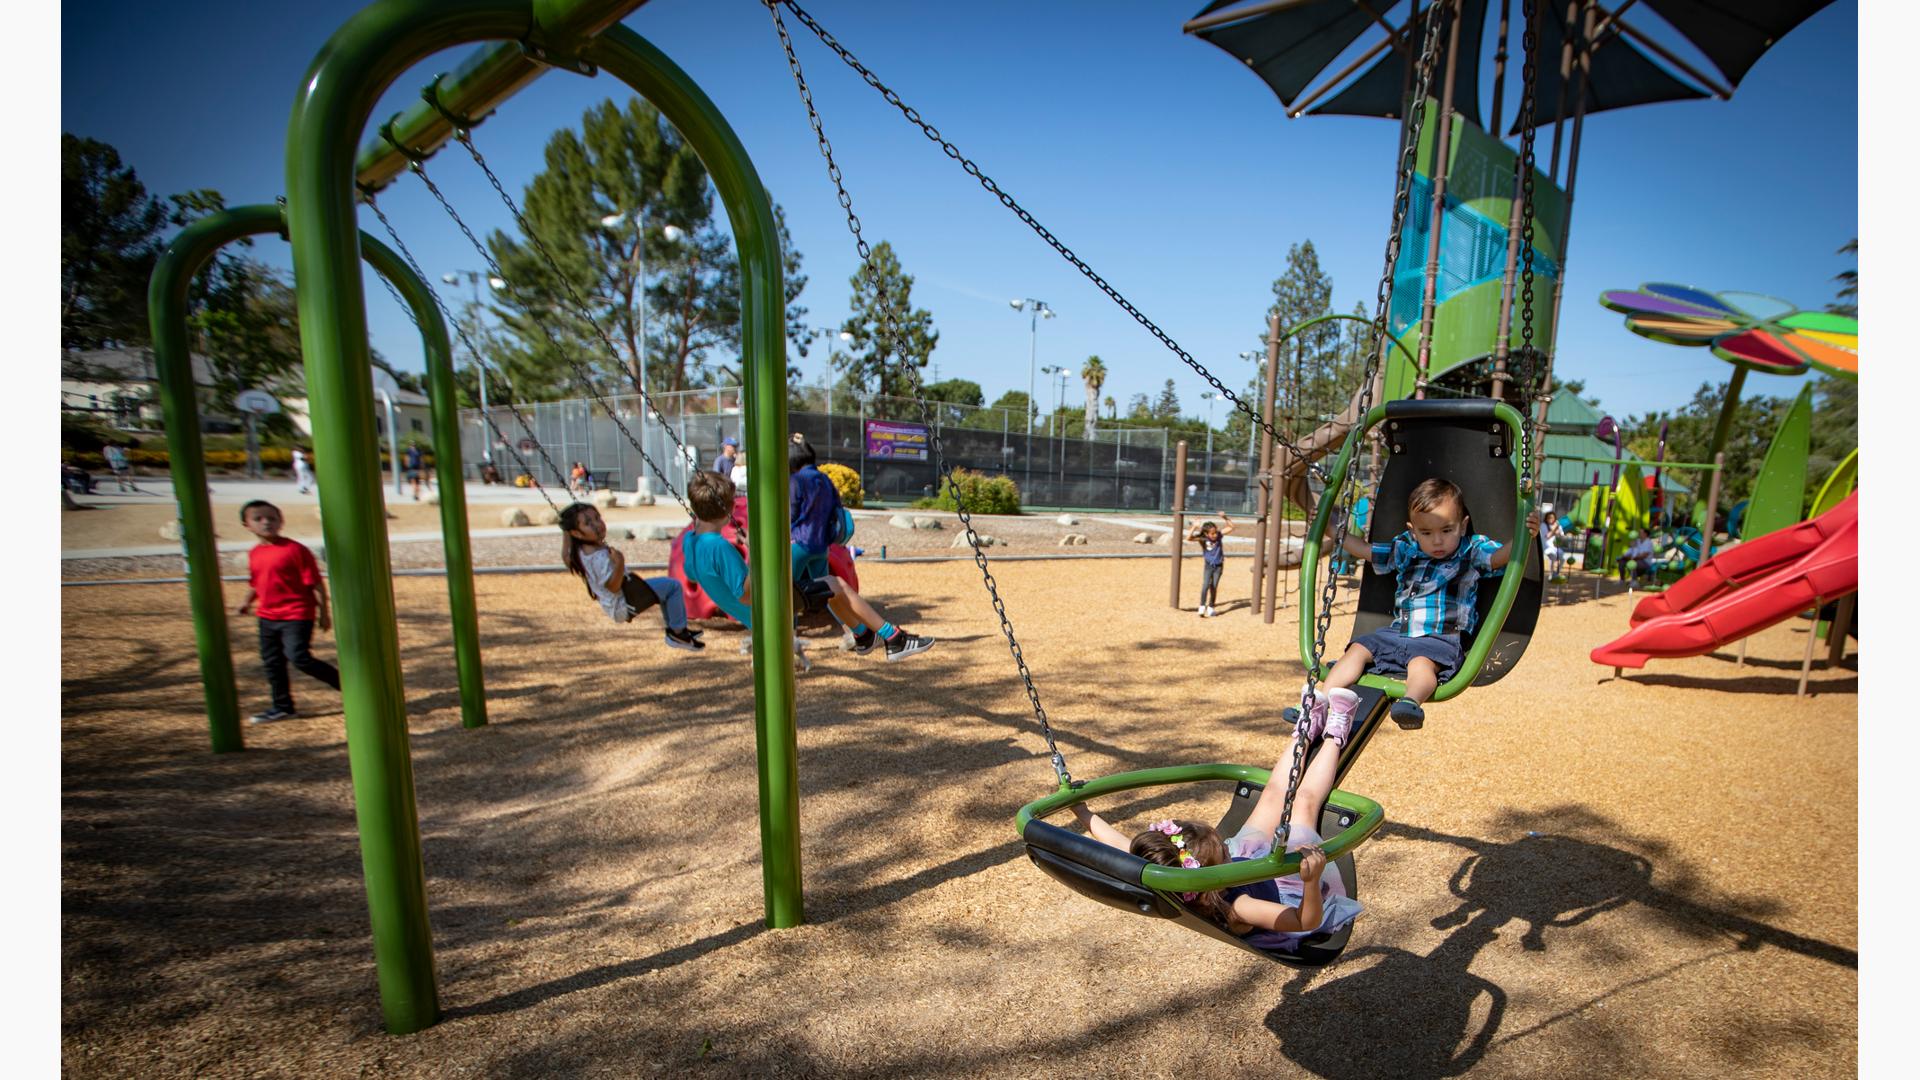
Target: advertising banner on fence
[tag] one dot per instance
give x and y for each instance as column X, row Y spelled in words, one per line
column 893, row 439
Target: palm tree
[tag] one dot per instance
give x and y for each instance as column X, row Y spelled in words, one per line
column 1094, row 374
column 1113, row 409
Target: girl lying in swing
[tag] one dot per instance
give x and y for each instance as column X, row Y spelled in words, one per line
column 1274, row 915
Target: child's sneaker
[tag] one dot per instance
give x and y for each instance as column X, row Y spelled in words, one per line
column 1408, row 714
column 1316, row 716
column 684, row 639
column 903, row 645
column 864, row 641
column 1342, row 704
column 271, row 715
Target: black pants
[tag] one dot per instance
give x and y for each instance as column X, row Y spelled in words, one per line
column 282, row 640
column 1210, row 583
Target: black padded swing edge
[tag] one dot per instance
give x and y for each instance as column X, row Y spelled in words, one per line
column 1113, row 877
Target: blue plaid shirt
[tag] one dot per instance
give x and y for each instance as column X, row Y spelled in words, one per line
column 1435, row 596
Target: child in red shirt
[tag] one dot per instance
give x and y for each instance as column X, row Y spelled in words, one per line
column 292, row 597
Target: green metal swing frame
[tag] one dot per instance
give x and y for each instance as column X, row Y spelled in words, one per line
column 325, row 178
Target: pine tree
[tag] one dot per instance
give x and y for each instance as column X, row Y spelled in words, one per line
column 625, row 168
column 873, row 357
column 1310, row 358
column 109, row 239
column 1167, row 407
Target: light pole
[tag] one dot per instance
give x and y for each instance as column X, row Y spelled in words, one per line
column 1253, row 428
column 827, row 334
column 479, row 366
column 1209, row 396
column 637, row 365
column 1054, row 372
column 1040, row 311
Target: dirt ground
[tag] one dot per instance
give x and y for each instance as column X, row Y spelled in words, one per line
column 1580, row 876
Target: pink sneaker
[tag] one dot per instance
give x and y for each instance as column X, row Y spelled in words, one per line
column 1343, row 703
column 1314, row 715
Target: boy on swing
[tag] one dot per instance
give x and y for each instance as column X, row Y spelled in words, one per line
column 1439, row 564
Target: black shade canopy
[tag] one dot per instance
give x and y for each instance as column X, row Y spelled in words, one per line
column 1290, row 43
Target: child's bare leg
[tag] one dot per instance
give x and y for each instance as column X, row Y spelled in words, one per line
column 1350, row 668
column 852, row 608
column 1422, row 678
column 1316, row 783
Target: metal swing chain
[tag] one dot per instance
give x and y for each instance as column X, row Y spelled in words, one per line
column 415, row 320
column 994, row 189
column 942, row 468
column 1403, row 192
column 1529, row 475
column 581, row 310
column 460, row 331
column 580, row 370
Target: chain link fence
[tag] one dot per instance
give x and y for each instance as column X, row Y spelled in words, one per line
column 882, row 438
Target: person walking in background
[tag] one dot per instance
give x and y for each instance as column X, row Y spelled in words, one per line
column 116, row 456
column 729, row 449
column 414, row 463
column 302, row 470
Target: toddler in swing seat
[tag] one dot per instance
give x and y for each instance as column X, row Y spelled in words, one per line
column 1438, row 563
column 1275, row 915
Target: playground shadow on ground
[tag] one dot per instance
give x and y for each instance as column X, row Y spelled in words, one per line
column 1387, row 1011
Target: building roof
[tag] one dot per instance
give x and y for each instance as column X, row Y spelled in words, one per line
column 124, row 365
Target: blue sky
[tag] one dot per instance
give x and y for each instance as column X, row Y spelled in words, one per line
column 1163, row 163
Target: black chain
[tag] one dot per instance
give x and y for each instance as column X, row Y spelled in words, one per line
column 1403, row 191
column 994, row 189
column 580, row 370
column 890, row 338
column 460, row 331
column 1529, row 71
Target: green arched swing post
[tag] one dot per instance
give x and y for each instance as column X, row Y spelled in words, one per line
column 1503, row 598
column 332, row 110
column 167, row 307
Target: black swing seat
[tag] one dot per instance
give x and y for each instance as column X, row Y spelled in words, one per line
column 1112, row 877
column 1462, row 440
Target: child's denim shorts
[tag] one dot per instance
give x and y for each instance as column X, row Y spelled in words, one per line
column 1392, row 650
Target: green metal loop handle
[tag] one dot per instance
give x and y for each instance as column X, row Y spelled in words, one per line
column 1368, row 817
column 1511, row 575
column 430, row 94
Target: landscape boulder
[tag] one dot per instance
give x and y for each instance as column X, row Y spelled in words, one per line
column 515, row 518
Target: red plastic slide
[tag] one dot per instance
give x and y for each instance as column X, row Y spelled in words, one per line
column 701, row 606
column 1748, row 562
column 1829, row 571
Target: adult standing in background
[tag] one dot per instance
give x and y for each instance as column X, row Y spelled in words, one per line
column 302, row 470
column 729, row 449
column 116, row 456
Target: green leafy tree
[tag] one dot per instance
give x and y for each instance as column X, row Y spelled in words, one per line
column 955, row 391
column 1847, row 298
column 1167, row 406
column 1093, row 374
column 109, row 239
column 625, row 167
column 874, row 358
column 1312, row 361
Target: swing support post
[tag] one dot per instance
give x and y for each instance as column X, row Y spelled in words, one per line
column 331, row 111
column 1179, row 545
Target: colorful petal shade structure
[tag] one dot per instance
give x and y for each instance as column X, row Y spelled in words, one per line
column 1751, row 331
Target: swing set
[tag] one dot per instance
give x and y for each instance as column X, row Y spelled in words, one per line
column 1486, row 446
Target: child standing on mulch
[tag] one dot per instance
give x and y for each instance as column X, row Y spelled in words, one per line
column 285, row 580
column 1273, row 915
column 1439, row 565
column 1213, row 560
column 585, row 551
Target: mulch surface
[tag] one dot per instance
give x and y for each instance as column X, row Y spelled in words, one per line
column 1579, row 875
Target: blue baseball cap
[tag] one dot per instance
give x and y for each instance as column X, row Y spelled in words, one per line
column 729, row 441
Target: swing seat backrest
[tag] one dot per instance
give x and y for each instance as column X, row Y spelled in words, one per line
column 1460, row 440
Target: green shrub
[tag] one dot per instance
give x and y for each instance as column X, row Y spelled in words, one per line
column 846, row 482
column 980, row 493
